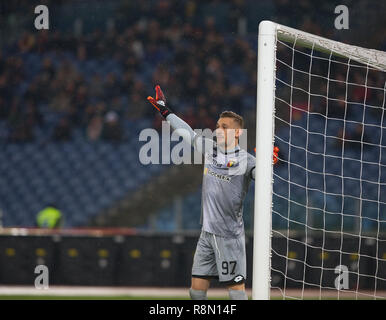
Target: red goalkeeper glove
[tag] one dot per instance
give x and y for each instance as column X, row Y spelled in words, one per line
column 160, row 102
column 275, row 154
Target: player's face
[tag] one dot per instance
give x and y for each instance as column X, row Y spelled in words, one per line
column 227, row 132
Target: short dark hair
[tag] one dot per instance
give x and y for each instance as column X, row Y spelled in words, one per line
column 230, row 114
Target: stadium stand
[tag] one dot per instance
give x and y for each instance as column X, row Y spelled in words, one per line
column 73, row 99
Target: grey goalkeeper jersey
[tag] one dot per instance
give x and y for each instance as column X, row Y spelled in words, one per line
column 226, row 179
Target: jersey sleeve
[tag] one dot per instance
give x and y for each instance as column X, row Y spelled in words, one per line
column 200, row 143
column 251, row 165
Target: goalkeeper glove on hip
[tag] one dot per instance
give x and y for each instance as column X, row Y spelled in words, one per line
column 160, row 102
column 275, row 154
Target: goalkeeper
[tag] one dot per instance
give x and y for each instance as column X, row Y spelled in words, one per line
column 228, row 170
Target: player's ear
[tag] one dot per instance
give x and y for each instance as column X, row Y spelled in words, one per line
column 239, row 132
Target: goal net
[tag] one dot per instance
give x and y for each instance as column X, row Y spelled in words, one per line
column 320, row 212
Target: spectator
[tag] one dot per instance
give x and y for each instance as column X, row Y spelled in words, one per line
column 353, row 140
column 112, row 130
column 94, row 128
column 50, row 217
column 22, row 133
column 62, row 131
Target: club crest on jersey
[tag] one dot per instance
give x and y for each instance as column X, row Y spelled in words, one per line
column 231, row 163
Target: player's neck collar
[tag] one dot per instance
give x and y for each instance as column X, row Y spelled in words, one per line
column 229, row 151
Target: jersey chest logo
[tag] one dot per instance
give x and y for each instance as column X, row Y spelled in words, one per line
column 216, row 175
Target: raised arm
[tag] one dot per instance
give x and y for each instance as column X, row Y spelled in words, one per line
column 179, row 125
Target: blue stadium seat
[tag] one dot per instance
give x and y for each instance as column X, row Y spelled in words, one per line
column 77, row 174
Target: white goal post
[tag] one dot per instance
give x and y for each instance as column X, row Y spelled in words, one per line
column 331, row 54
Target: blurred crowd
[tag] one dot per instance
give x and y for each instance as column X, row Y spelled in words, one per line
column 203, row 65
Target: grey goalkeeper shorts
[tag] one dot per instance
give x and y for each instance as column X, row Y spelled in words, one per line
column 220, row 258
